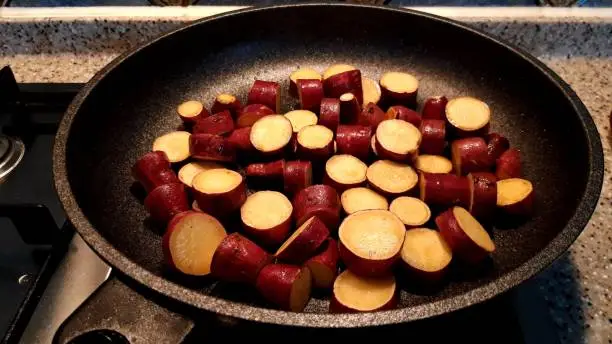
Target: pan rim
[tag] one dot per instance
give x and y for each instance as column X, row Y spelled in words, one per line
column 557, row 246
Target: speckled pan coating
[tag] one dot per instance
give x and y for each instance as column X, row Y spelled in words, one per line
column 116, row 116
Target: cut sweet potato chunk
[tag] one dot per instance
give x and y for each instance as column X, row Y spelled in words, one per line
column 371, row 91
column 174, row 144
column 219, row 191
column 165, row 201
column 508, row 165
column 345, row 82
column 354, row 140
column 354, row 293
column 483, row 194
column 370, row 242
column 411, row 211
column 444, row 190
column 324, row 265
column 515, row 196
column 190, row 242
column 266, row 216
column 286, row 286
column 470, row 155
column 496, row 145
column 405, row 114
column 302, row 74
column 229, row 102
column 337, row 69
column 301, row 118
column 297, row 175
column 192, row 169
column 271, row 134
column 465, row 235
column 315, row 143
column 391, row 178
column 358, row 199
column 397, row 140
column 211, row 147
column 251, row 114
column 433, row 164
column 433, row 132
column 268, row 175
column 344, row 171
column 266, row 93
column 191, row 111
column 425, row 255
column 321, row 201
column 468, row 116
column 304, row 242
column 399, row 89
column 238, row 259
column 349, row 108
column 434, row 108
column 371, row 115
column 218, row 124
column 329, row 113
column 153, row 170
column 310, row 93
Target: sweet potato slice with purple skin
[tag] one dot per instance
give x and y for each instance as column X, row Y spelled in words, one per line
column 251, row 114
column 266, row 93
column 345, row 82
column 153, row 170
column 329, row 113
column 238, row 259
column 391, row 179
column 433, row 164
column 229, row 102
column 344, row 171
column 266, row 217
column 219, row 192
column 444, row 190
column 354, row 140
column 302, row 73
column 468, row 117
column 399, row 89
column 433, row 133
column 165, row 201
column 190, row 242
column 324, row 265
column 304, row 242
column 286, row 286
column 496, row 145
column 508, row 165
column 350, row 109
column 470, row 155
column 358, row 199
column 175, row 144
column 310, row 93
column 348, row 295
column 483, row 195
column 321, row 201
column 426, row 256
column 361, row 246
column 271, row 134
column 267, row 175
column 315, row 143
column 371, row 91
column 411, row 211
column 240, row 139
column 397, row 140
column 371, row 115
column 191, row 111
column 405, row 114
column 434, row 108
column 297, row 175
column 211, row 148
column 466, row 237
column 218, row 124
column 192, row 169
column 515, row 196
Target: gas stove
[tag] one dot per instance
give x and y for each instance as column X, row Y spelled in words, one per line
column 47, row 270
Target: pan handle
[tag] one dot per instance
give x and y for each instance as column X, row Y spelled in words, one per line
column 120, row 311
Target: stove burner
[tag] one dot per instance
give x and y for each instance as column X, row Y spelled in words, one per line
column 11, row 153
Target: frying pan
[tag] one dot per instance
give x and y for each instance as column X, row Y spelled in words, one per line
column 116, row 116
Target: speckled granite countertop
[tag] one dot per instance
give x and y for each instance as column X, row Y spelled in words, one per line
column 577, row 288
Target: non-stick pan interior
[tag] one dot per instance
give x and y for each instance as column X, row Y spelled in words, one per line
column 136, row 101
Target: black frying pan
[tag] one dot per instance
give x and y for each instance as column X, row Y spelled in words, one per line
column 115, row 118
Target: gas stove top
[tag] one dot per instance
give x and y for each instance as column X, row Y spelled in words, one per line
column 47, row 271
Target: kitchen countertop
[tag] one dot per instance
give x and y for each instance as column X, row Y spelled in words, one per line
column 52, row 45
